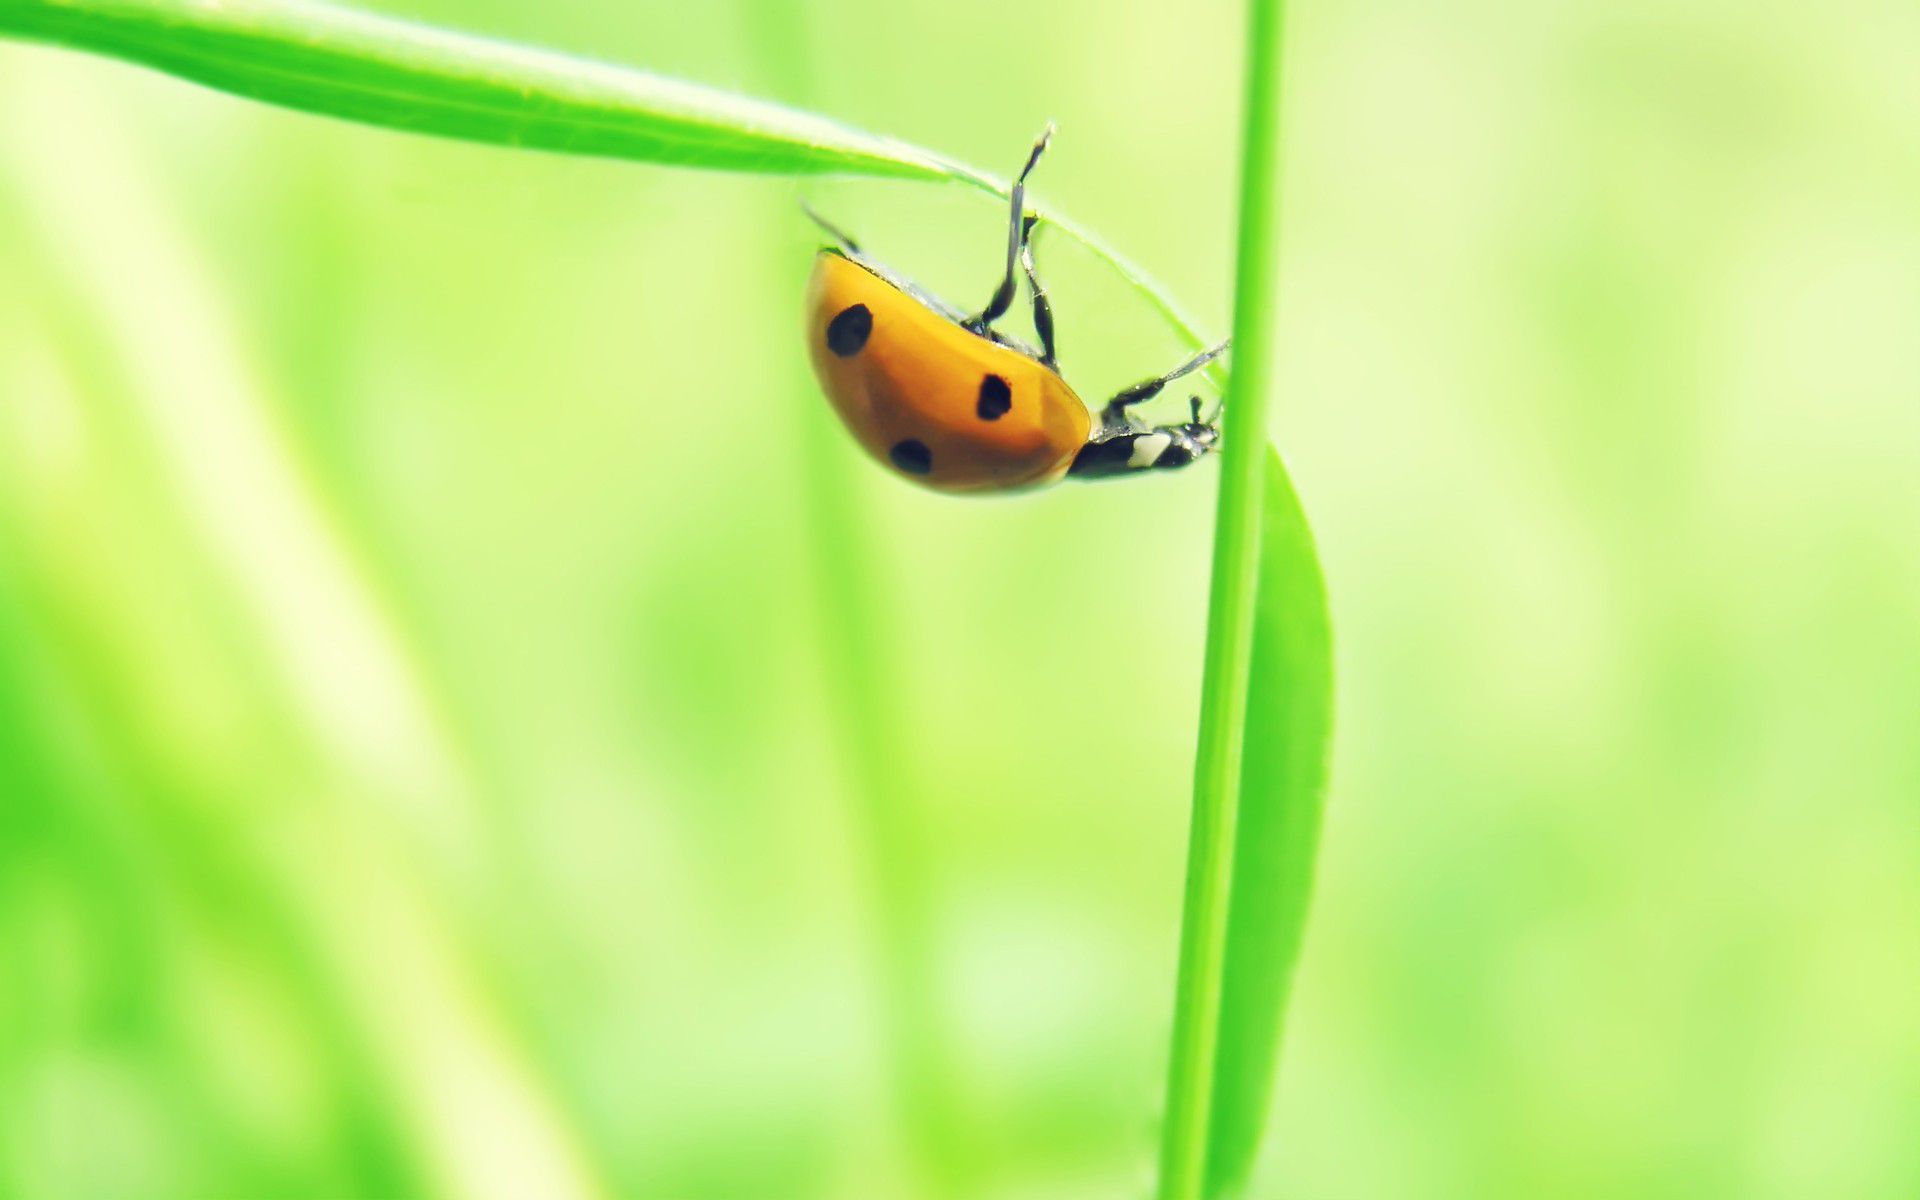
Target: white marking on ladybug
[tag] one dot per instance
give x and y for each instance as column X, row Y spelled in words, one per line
column 1148, row 449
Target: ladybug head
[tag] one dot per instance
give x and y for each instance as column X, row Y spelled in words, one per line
column 1205, row 433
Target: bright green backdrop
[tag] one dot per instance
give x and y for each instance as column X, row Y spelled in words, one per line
column 424, row 768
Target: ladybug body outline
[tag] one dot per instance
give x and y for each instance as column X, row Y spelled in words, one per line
column 948, row 401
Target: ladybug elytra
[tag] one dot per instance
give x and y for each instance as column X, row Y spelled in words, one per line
column 952, row 403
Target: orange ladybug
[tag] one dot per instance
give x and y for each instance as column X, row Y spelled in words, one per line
column 952, row 403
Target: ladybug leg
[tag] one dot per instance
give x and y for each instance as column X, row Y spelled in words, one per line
column 1114, row 416
column 1042, row 307
column 1016, row 235
column 1130, row 449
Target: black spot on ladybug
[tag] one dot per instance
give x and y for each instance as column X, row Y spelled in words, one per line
column 848, row 330
column 995, row 398
column 912, row 456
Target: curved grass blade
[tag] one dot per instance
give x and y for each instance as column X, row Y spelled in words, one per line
column 1282, row 787
column 340, row 63
column 335, row 62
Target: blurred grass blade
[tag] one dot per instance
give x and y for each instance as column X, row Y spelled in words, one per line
column 341, row 63
column 1283, row 780
column 1265, row 689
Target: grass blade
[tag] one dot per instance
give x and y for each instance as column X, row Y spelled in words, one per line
column 1282, row 784
column 1200, row 998
column 335, row 62
column 380, row 71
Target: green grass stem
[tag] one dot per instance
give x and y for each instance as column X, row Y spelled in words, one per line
column 1230, row 627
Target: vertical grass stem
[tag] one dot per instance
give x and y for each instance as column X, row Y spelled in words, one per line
column 1236, row 551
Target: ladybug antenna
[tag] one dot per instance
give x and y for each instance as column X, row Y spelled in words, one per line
column 833, row 231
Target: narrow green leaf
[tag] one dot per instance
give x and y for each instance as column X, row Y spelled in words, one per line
column 353, row 66
column 380, row 71
column 1282, row 784
column 1236, row 610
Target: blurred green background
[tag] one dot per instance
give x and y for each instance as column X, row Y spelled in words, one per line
column 472, row 726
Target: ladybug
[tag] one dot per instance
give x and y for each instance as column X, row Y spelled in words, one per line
column 952, row 403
